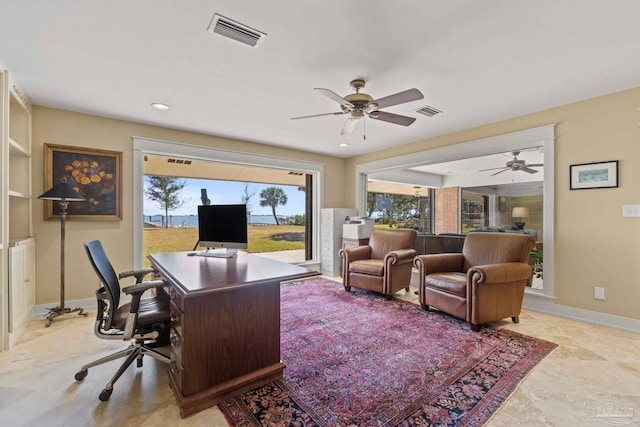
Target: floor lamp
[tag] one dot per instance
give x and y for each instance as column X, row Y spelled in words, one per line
column 63, row 193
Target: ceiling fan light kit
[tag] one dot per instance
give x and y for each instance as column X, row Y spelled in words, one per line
column 360, row 105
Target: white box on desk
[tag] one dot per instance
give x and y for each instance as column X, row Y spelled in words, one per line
column 357, row 229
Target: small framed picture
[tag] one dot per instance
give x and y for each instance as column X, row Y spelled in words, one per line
column 594, row 175
column 95, row 174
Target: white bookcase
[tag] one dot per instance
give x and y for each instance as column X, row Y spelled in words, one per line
column 17, row 245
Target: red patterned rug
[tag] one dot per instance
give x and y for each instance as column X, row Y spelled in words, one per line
column 355, row 359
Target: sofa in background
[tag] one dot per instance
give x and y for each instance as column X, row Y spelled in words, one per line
column 439, row 243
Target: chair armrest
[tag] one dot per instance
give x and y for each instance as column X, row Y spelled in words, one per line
column 499, row 273
column 401, row 256
column 435, row 263
column 138, row 274
column 136, row 292
column 139, row 288
column 355, row 254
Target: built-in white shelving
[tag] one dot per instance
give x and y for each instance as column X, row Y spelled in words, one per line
column 17, row 244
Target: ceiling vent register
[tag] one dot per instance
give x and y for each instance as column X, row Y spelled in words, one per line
column 428, row 111
column 235, row 31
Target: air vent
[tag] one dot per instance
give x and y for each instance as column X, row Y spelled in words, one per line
column 235, row 31
column 296, row 173
column 179, row 161
column 428, row 111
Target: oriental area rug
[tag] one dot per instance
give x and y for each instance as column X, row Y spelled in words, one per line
column 356, row 359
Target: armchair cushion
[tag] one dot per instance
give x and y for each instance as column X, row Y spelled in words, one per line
column 452, row 283
column 375, row 267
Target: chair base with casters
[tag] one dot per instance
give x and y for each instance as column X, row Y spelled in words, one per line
column 139, row 348
column 145, row 322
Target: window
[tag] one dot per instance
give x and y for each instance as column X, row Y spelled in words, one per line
column 310, row 173
column 403, row 169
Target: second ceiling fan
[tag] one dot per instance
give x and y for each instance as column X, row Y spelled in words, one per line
column 515, row 165
column 358, row 105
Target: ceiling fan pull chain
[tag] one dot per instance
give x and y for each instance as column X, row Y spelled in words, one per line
column 364, row 128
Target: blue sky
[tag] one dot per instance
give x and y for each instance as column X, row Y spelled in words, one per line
column 229, row 192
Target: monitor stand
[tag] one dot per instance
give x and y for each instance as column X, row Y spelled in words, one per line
column 218, row 253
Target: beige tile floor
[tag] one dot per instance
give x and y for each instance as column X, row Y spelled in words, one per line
column 591, row 365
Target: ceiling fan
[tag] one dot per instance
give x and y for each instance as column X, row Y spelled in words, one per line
column 358, row 105
column 515, row 165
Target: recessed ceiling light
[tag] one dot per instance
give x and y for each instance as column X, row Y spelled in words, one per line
column 344, row 145
column 160, row 106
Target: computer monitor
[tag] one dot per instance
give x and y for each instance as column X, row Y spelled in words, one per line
column 222, row 226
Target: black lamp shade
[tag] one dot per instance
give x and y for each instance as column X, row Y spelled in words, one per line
column 62, row 191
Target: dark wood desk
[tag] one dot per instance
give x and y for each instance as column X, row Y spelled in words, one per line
column 225, row 324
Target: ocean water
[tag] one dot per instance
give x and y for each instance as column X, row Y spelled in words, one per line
column 191, row 221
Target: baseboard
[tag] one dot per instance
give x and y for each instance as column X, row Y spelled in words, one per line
column 543, row 304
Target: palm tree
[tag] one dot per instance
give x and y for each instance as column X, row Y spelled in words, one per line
column 273, row 196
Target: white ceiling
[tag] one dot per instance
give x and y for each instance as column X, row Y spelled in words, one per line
column 477, row 61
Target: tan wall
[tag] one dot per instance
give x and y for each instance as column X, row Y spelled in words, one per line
column 66, row 128
column 594, row 244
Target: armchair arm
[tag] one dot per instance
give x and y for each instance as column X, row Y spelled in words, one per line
column 138, row 274
column 434, row 263
column 401, row 256
column 499, row 273
column 348, row 255
column 136, row 292
column 355, row 254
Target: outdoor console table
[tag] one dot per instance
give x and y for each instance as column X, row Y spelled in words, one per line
column 225, row 324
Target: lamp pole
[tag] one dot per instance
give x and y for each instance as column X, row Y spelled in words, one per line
column 63, row 215
column 62, row 192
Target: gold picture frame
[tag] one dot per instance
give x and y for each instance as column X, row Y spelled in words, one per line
column 95, row 174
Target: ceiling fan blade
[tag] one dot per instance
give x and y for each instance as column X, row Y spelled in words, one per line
column 332, row 95
column 492, row 169
column 536, row 165
column 398, row 98
column 319, row 115
column 503, row 170
column 349, row 126
column 392, row 118
column 528, row 170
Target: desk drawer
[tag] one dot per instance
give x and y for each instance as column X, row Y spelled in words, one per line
column 175, row 338
column 176, row 371
column 176, row 296
column 176, row 317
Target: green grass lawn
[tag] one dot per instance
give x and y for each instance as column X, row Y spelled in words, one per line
column 269, row 238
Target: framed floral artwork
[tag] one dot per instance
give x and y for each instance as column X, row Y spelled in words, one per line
column 95, row 174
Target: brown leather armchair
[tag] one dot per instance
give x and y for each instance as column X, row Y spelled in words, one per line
column 384, row 265
column 483, row 284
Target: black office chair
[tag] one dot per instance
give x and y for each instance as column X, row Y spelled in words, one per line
column 144, row 322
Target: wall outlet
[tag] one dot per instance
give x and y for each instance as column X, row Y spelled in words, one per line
column 598, row 293
column 630, row 211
